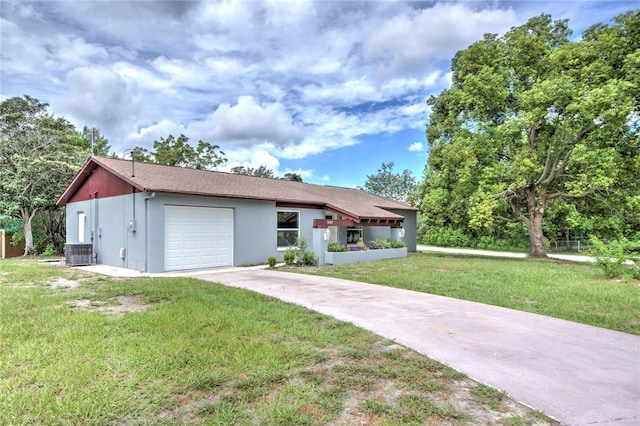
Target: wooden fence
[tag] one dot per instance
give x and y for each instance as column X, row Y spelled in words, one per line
column 7, row 249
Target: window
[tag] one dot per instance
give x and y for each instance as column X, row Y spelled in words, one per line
column 354, row 234
column 82, row 219
column 288, row 228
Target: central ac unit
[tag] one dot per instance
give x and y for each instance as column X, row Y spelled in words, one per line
column 77, row 254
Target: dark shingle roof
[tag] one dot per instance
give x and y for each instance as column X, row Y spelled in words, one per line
column 356, row 203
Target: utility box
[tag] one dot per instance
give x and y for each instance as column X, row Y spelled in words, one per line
column 78, row 254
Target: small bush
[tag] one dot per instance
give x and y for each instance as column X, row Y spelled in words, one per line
column 336, row 247
column 300, row 254
column 271, row 260
column 50, row 250
column 386, row 243
column 309, row 259
column 613, row 258
column 289, row 257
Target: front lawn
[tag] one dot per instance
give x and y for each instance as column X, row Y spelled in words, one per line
column 566, row 290
column 81, row 349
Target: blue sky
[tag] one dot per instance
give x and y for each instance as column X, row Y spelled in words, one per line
column 327, row 89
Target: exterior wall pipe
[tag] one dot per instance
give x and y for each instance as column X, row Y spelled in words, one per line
column 146, row 231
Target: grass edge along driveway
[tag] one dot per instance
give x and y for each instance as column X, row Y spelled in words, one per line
column 192, row 352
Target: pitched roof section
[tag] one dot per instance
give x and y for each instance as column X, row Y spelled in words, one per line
column 354, row 203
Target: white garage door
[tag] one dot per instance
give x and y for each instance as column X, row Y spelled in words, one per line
column 197, row 237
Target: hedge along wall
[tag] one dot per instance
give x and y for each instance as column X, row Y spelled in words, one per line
column 7, row 249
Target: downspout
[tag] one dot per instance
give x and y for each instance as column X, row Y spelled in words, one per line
column 95, row 234
column 146, row 231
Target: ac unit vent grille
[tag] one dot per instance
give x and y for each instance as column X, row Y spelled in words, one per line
column 78, row 254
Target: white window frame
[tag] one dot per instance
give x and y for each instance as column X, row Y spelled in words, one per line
column 278, row 229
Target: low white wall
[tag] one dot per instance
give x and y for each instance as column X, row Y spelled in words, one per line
column 347, row 257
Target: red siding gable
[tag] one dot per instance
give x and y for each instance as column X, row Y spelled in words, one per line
column 101, row 184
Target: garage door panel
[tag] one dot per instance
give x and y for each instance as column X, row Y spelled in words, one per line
column 198, row 237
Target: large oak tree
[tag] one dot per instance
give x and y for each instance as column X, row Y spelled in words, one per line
column 533, row 119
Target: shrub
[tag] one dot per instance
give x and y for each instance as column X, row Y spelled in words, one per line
column 50, row 250
column 271, row 260
column 289, row 257
column 397, row 244
column 613, row 257
column 446, row 237
column 309, row 259
column 386, row 243
column 300, row 254
column 336, row 247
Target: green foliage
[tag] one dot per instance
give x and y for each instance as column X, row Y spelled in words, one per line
column 300, row 254
column 617, row 258
column 295, row 177
column 446, row 237
column 303, row 255
column 261, row 171
column 39, row 156
column 179, row 152
column 289, row 257
column 533, row 119
column 386, row 243
column 265, row 172
column 335, row 247
column 271, row 260
column 91, row 136
column 308, row 259
column 395, row 186
column 509, row 236
column 50, row 250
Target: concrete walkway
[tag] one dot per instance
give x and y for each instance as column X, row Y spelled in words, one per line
column 507, row 254
column 577, row 374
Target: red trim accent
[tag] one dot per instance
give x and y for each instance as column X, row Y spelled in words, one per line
column 101, row 184
column 325, row 223
column 286, row 205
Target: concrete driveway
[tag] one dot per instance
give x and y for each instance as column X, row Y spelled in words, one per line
column 577, row 374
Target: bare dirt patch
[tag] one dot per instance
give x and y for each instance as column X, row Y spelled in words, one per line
column 64, row 283
column 117, row 306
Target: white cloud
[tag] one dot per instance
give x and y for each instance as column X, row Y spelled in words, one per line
column 101, row 97
column 408, row 42
column 248, row 123
column 416, row 147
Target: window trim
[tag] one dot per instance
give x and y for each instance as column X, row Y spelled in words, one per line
column 82, row 226
column 278, row 229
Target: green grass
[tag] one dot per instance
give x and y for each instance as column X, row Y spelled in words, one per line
column 566, row 290
column 202, row 353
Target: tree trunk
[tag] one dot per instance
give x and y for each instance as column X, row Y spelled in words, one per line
column 27, row 218
column 534, row 224
column 536, row 236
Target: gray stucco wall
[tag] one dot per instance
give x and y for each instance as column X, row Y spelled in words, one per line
column 410, row 226
column 106, row 227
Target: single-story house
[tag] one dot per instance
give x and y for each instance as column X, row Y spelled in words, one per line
column 157, row 218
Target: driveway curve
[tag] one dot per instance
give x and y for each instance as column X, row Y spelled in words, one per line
column 575, row 373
